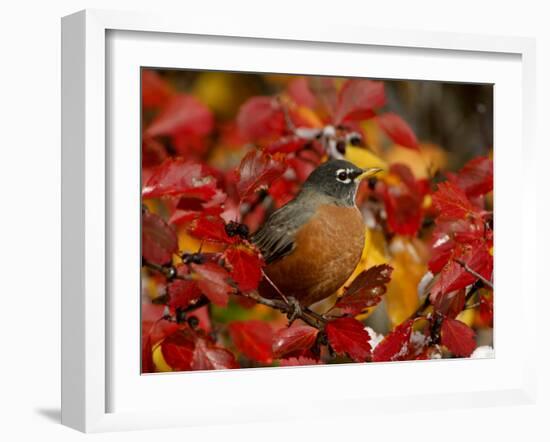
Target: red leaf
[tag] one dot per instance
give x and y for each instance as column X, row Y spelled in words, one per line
column 395, row 346
column 177, row 350
column 210, row 228
column 366, row 290
column 293, row 339
column 454, row 276
column 212, row 280
column 147, row 365
column 299, row 361
column 486, row 309
column 153, row 325
column 358, row 99
column 182, row 114
column 442, row 249
column 154, row 90
column 246, row 267
column 191, row 208
column 261, row 117
column 299, row 91
column 158, row 239
column 286, row 145
column 451, row 304
column 282, row 191
column 452, row 203
column 476, row 177
column 253, row 339
column 257, row 170
column 398, row 130
column 348, row 335
column 178, row 177
column 457, row 337
column 209, row 357
column 403, row 197
column 183, row 293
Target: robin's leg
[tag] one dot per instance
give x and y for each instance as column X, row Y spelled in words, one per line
column 294, row 309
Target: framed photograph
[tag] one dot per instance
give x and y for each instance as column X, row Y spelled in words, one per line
column 252, row 211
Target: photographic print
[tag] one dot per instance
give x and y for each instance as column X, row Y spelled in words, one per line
column 296, row 220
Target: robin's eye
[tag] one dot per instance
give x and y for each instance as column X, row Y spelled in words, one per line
column 342, row 176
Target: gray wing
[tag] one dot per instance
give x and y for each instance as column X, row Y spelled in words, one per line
column 275, row 238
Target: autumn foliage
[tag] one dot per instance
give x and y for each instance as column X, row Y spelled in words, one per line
column 210, row 177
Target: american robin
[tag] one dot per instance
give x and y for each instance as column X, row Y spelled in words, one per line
column 312, row 244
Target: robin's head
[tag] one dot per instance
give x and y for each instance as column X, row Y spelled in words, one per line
column 338, row 179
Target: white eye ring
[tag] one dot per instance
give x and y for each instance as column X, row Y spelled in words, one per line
column 347, row 180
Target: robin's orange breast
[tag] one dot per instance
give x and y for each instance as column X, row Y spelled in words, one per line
column 327, row 250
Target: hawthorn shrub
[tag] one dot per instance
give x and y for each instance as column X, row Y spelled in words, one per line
column 211, row 176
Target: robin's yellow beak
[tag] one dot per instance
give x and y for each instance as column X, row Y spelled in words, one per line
column 367, row 173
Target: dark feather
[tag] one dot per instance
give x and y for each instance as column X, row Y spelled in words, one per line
column 275, row 239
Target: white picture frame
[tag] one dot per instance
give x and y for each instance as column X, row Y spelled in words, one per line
column 90, row 171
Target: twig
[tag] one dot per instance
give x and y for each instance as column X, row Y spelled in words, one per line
column 474, row 273
column 275, row 287
column 306, row 315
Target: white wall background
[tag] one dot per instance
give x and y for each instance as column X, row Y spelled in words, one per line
column 30, row 217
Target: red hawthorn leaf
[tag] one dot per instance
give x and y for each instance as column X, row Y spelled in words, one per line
column 448, row 233
column 209, row 357
column 261, row 117
column 398, row 130
column 253, row 339
column 210, row 228
column 213, row 205
column 178, row 177
column 302, row 167
column 154, row 90
column 324, row 90
column 182, row 293
column 177, row 350
column 486, row 309
column 153, row 325
column 246, row 267
column 255, row 218
column 158, row 239
column 282, row 191
column 147, row 365
column 300, row 360
column 476, row 177
column 366, row 290
column 454, row 276
column 452, row 203
column 358, row 99
column 348, row 335
column 395, row 346
column 299, row 91
column 450, row 304
column 457, row 337
column 442, row 249
column 193, row 204
column 182, row 114
column 212, row 280
column 286, row 145
column 152, row 154
column 189, row 145
column 191, row 208
column 403, row 201
column 293, row 339
column 258, row 169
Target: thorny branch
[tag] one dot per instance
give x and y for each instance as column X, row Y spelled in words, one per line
column 305, row 314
